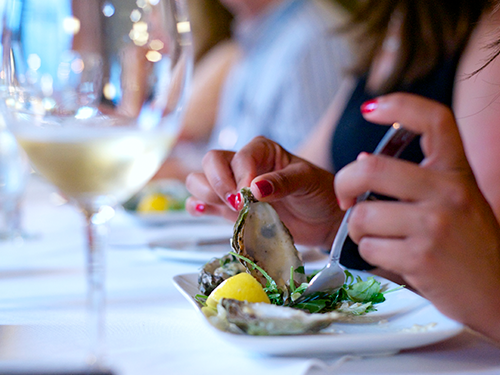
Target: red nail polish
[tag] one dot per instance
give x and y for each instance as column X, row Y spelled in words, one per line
column 200, row 207
column 369, row 106
column 234, row 200
column 265, row 188
column 362, row 155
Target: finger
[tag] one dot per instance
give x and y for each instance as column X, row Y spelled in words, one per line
column 198, row 186
column 385, row 219
column 391, row 177
column 219, row 175
column 440, row 142
column 199, row 208
column 298, row 178
column 259, row 156
column 391, row 254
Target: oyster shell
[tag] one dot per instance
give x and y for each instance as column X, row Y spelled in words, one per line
column 216, row 271
column 265, row 319
column 261, row 236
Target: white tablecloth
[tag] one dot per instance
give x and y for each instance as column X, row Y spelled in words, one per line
column 151, row 329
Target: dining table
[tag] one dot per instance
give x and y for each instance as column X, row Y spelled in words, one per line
column 150, row 326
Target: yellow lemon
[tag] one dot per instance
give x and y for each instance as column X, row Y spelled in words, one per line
column 242, row 287
column 153, row 203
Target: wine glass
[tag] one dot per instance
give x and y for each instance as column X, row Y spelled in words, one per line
column 94, row 90
column 14, row 174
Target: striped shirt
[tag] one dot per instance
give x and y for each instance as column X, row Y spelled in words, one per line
column 290, row 69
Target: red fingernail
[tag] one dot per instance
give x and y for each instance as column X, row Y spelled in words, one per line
column 362, row 155
column 369, row 106
column 265, row 188
column 200, row 207
column 234, row 200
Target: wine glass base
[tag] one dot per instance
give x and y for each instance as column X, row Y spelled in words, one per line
column 18, row 239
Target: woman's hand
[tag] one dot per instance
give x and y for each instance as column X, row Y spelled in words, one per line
column 441, row 236
column 301, row 193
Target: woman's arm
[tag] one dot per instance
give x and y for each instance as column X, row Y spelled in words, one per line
column 441, row 235
column 316, row 148
column 208, row 80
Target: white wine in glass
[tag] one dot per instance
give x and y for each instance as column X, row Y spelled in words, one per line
column 94, row 92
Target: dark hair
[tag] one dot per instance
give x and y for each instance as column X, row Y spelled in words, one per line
column 431, row 30
column 210, row 23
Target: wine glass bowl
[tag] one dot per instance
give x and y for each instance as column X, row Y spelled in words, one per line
column 106, row 99
column 94, row 92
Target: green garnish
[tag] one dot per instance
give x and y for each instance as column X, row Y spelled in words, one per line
column 356, row 296
column 273, row 292
column 201, row 299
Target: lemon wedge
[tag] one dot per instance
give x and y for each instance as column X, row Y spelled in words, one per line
column 153, row 203
column 242, row 287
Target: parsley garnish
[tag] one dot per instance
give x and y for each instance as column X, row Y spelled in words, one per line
column 363, row 293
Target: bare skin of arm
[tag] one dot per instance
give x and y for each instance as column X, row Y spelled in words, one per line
column 208, row 80
column 477, row 109
column 201, row 111
column 316, row 148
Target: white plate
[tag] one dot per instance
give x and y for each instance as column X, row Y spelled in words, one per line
column 171, row 217
column 195, row 253
column 405, row 320
column 175, row 190
column 194, row 243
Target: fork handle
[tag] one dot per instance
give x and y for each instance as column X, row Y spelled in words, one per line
column 340, row 237
column 395, row 140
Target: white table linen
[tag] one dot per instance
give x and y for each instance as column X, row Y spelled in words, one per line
column 150, row 327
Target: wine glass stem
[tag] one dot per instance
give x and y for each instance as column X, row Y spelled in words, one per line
column 10, row 221
column 97, row 229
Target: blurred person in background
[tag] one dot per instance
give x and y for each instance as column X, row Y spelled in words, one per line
column 290, row 67
column 210, row 25
column 275, row 77
column 214, row 52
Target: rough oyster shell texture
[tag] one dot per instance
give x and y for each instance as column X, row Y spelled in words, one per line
column 216, row 271
column 261, row 236
column 265, row 319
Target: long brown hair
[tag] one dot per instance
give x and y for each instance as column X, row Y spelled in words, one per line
column 431, row 30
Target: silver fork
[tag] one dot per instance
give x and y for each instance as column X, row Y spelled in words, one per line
column 332, row 277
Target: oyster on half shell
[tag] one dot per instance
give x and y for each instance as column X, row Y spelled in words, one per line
column 216, row 271
column 261, row 236
column 264, row 319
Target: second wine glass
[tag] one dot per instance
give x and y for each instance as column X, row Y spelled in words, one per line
column 94, row 91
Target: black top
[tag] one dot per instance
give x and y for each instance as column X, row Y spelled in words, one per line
column 354, row 134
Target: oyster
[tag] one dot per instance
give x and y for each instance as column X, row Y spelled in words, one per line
column 260, row 236
column 216, row 271
column 265, row 319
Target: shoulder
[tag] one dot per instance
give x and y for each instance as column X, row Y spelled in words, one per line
column 476, row 105
column 476, row 84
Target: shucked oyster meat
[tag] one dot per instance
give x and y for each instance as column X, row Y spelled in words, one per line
column 265, row 319
column 216, row 271
column 260, row 235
